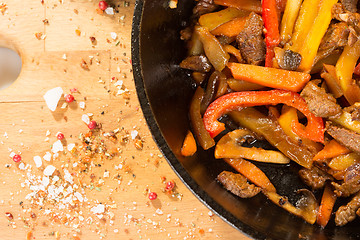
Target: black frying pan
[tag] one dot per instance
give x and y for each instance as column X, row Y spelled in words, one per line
column 164, row 91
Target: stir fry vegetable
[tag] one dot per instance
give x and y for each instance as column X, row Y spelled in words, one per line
column 286, row 72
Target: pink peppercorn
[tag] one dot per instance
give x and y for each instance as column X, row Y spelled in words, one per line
column 152, row 196
column 170, row 185
column 17, row 158
column 60, row 136
column 92, row 124
column 103, row 5
column 69, row 98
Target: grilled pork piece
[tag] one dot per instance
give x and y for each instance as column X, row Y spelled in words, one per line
column 320, row 103
column 314, row 177
column 251, row 42
column 237, row 184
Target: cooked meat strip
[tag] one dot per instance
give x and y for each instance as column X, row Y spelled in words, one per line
column 237, row 184
column 350, row 5
column 351, row 18
column 314, row 177
column 320, row 103
column 346, row 137
column 347, row 213
column 251, row 42
column 351, row 182
column 336, row 36
column 354, row 110
column 196, row 63
column 204, row 6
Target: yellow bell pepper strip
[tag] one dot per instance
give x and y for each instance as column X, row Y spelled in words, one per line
column 252, row 173
column 318, row 29
column 289, row 115
column 196, row 120
column 271, row 24
column 231, row 28
column 326, row 206
column 215, row 19
column 331, row 149
column 249, row 5
column 346, row 121
column 213, row 48
column 269, row 77
column 270, row 129
column 189, row 145
column 344, row 70
column 306, row 17
column 288, row 20
column 238, row 100
column 342, row 162
column 228, row 147
column 332, row 82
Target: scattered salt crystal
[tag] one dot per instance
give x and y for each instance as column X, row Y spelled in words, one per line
column 57, row 147
column 64, row 56
column 210, row 213
column 38, row 161
column 45, row 181
column 106, row 174
column 68, row 176
column 6, row 135
column 79, row 196
column 113, row 35
column 100, row 208
column 56, row 178
column 85, row 118
column 159, row 211
column 70, row 146
column 47, row 156
column 64, row 105
column 22, row 166
column 82, row 105
column 134, row 134
column 52, row 97
column 12, row 154
column 47, row 133
column 109, row 11
column 49, row 170
column 119, row 83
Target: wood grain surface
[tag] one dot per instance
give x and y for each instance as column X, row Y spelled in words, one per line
column 53, row 38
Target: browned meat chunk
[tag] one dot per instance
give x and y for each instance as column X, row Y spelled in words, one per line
column 320, row 103
column 251, row 43
column 336, row 36
column 237, row 184
column 204, row 6
column 350, row 5
column 314, row 177
column 351, row 18
column 196, row 63
column 354, row 110
column 346, row 137
column 347, row 213
column 351, row 183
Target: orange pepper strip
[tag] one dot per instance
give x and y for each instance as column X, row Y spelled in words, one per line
column 269, row 77
column 215, row 19
column 251, row 172
column 325, row 209
column 231, row 28
column 331, row 149
column 189, row 145
column 238, row 100
column 250, row 5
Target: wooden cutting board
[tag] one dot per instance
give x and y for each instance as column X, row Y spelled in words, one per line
column 53, row 38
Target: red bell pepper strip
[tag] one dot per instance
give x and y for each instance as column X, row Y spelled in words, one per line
column 271, row 23
column 314, row 129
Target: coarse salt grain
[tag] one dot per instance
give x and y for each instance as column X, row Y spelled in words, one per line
column 52, row 97
column 82, row 105
column 85, row 118
column 57, row 147
column 100, row 208
column 47, row 156
column 22, row 166
column 79, row 196
column 109, row 11
column 113, row 35
column 134, row 134
column 49, row 170
column 70, row 146
column 38, row 161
